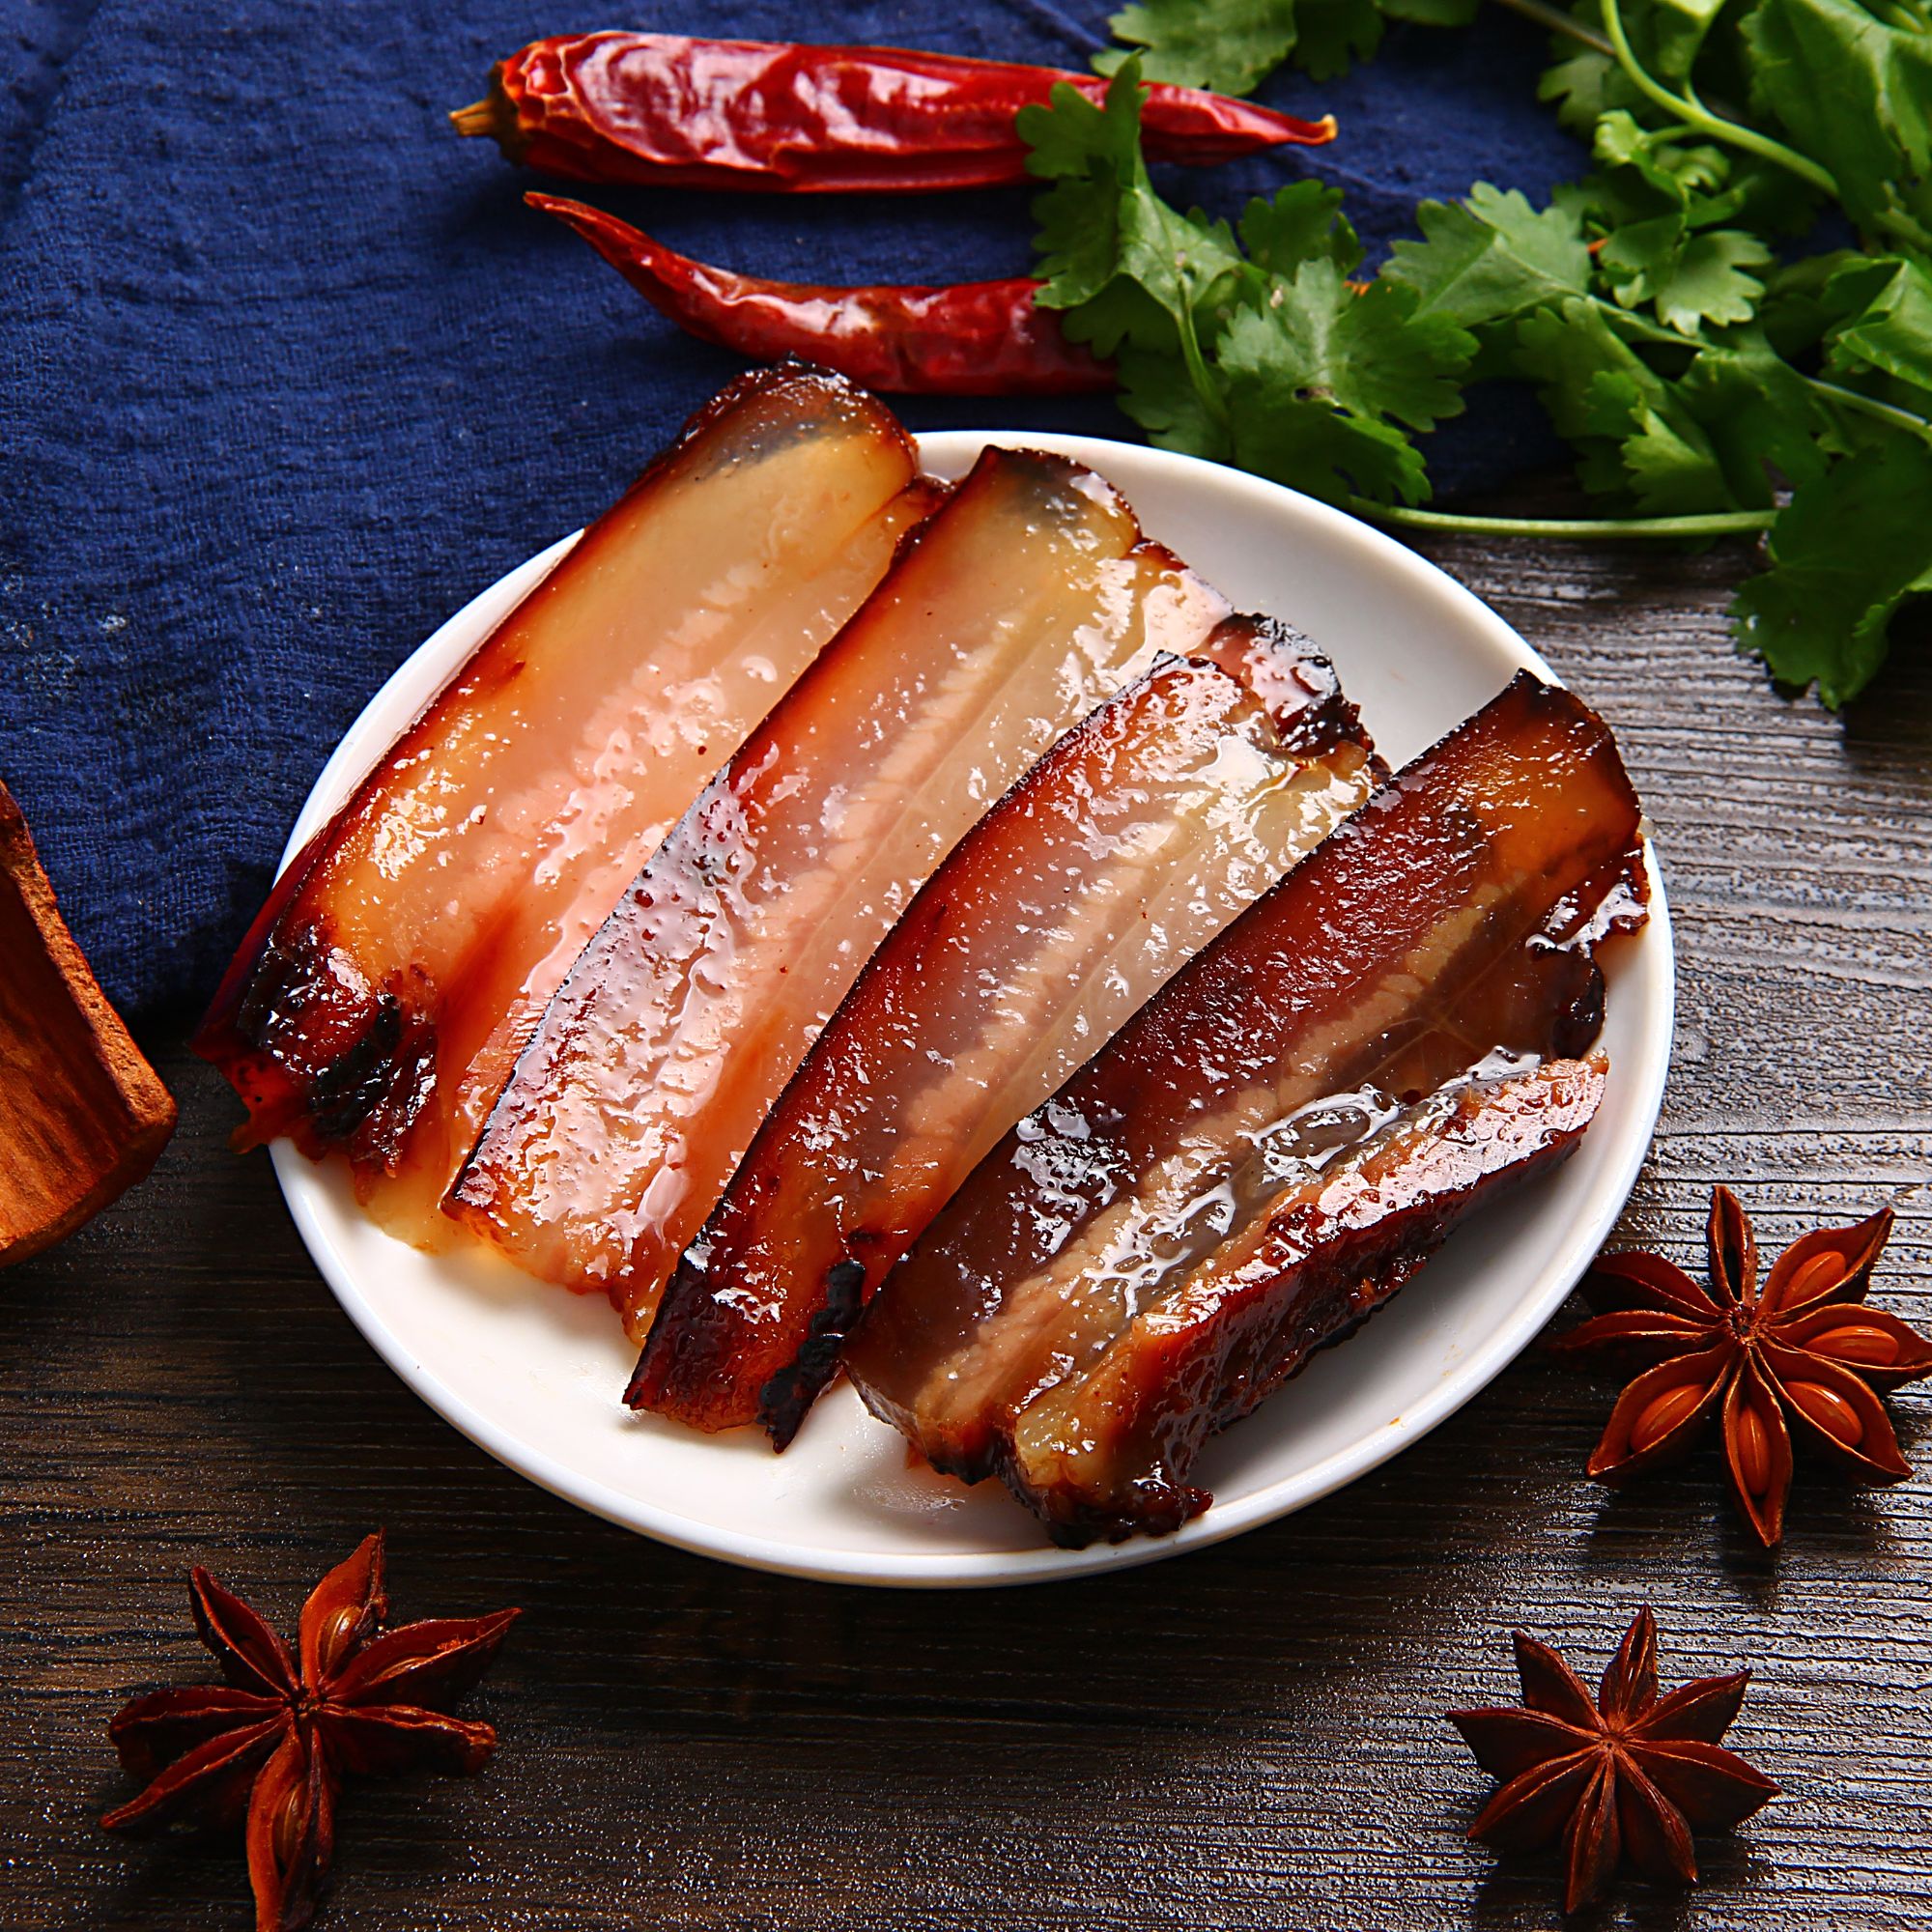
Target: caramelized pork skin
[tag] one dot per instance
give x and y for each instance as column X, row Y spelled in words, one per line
column 1108, row 1455
column 1026, row 600
column 1452, row 917
column 378, row 1001
column 1295, row 682
column 1126, row 848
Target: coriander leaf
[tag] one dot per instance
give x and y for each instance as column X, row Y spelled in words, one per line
column 1126, row 265
column 1643, row 301
column 1319, row 379
column 1233, row 45
column 1763, row 195
column 1582, row 87
column 1158, row 393
column 1679, row 29
column 1619, row 140
column 1665, row 454
column 1230, row 46
column 1175, row 258
column 1330, row 34
column 1304, row 222
column 1856, row 95
column 1676, row 173
column 1638, row 257
column 1332, row 456
column 1636, row 440
column 1759, row 414
column 1431, row 13
column 1368, row 353
column 1708, row 281
column 1650, row 201
column 1070, row 136
column 1491, row 258
column 1667, row 35
column 1845, row 553
column 1806, row 299
column 1893, row 331
column 1092, row 154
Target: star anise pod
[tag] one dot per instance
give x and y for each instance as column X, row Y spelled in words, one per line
column 1802, row 1346
column 1626, row 1775
column 274, row 1743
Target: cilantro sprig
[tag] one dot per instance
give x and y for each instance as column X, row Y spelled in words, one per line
column 1253, row 346
column 1712, row 377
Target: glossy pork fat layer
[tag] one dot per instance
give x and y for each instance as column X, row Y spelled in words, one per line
column 1023, row 602
column 1319, row 1246
column 377, row 1004
column 1452, row 920
column 1122, row 853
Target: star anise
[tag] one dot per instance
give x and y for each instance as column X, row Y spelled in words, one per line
column 274, row 1743
column 1802, row 1346
column 1627, row 1774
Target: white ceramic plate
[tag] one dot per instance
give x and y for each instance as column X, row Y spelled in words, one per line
column 533, row 1375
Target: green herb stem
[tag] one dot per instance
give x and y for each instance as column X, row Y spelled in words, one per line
column 1901, row 227
column 1573, row 29
column 1700, row 117
column 1212, row 399
column 1871, row 405
column 1559, row 22
column 1714, row 524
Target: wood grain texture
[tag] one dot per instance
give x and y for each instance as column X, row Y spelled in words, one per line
column 1250, row 1738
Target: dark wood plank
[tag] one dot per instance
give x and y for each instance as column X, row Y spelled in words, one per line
column 1250, row 1738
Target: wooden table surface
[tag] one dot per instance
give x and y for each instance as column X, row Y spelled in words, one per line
column 1249, row 1737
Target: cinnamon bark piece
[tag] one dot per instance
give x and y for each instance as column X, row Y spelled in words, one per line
column 82, row 1115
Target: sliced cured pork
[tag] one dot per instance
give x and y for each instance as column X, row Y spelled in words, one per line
column 378, row 1002
column 1319, row 1247
column 1020, row 605
column 1126, row 848
column 1451, row 920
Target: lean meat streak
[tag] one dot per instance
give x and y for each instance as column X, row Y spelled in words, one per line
column 379, row 1002
column 1022, row 603
column 1122, row 853
column 1442, row 939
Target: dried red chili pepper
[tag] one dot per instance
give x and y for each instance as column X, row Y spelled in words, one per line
column 669, row 111
column 971, row 339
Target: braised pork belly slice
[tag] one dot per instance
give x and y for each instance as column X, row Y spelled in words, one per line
column 378, row 1004
column 1122, row 852
column 1020, row 605
column 1455, row 915
column 1312, row 1255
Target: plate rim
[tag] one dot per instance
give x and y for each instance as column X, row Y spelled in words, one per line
column 302, row 1183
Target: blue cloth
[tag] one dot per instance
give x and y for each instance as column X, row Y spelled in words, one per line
column 288, row 373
